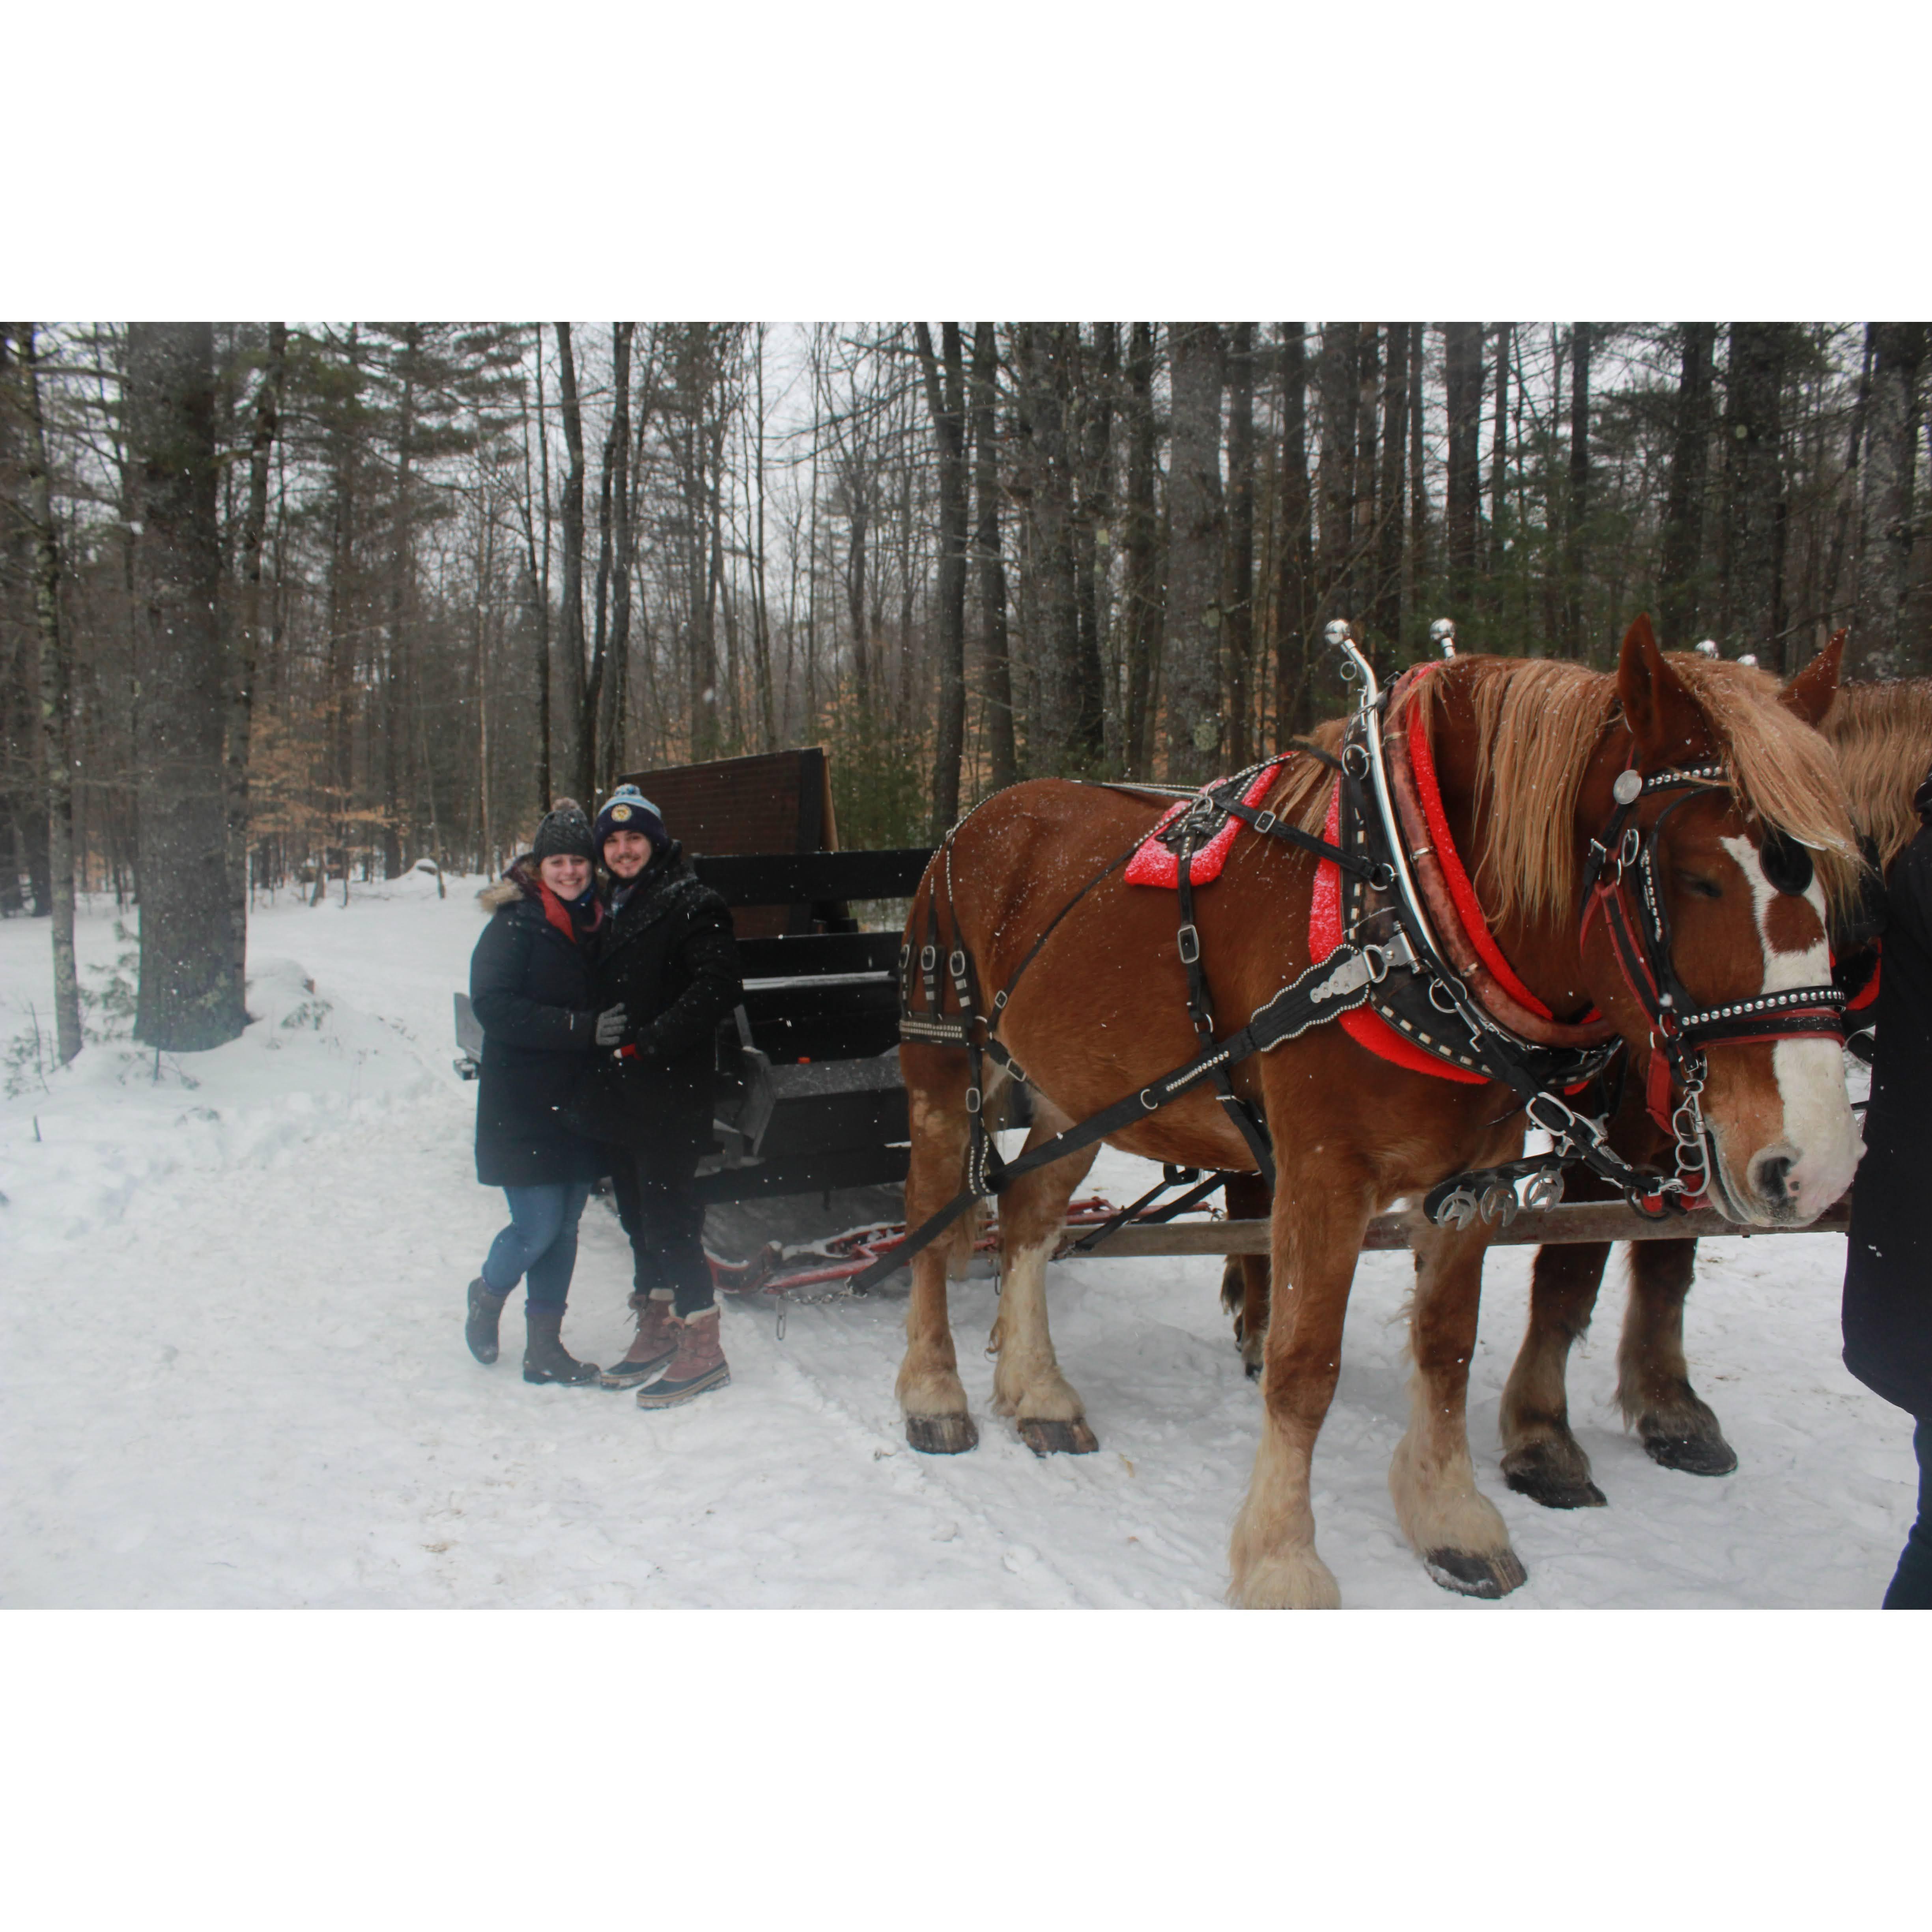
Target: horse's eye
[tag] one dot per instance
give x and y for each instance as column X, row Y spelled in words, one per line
column 1705, row 889
column 1787, row 864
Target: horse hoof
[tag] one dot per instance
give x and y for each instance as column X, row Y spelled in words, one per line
column 1695, row 1455
column 1472, row 1576
column 1555, row 1492
column 941, row 1435
column 1252, row 1370
column 1058, row 1439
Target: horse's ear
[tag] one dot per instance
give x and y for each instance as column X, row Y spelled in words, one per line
column 1808, row 693
column 1662, row 716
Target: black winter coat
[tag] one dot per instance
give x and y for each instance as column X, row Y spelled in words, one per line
column 667, row 955
column 530, row 986
column 1887, row 1308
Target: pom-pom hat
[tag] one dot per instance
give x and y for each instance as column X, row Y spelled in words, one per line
column 628, row 810
column 564, row 833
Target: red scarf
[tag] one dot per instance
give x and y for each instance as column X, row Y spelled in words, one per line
column 558, row 914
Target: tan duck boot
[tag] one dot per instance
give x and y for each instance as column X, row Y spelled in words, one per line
column 698, row 1366
column 655, row 1343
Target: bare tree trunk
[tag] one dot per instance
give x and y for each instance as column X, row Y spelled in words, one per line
column 56, row 724
column 245, row 658
column 539, row 577
column 761, row 626
column 1681, row 560
column 191, row 994
column 1575, row 548
column 946, row 401
column 1004, row 756
column 1140, row 594
column 1753, row 612
column 1194, row 731
column 573, row 754
column 1418, row 475
column 1885, row 564
column 1462, row 375
column 610, row 738
column 396, row 790
column 1363, row 550
column 1849, row 489
column 1239, row 597
column 1387, row 610
column 1340, row 398
column 1295, row 590
column 1054, row 742
column 1094, row 510
column 1499, row 443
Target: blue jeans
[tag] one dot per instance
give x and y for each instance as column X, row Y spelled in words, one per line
column 1912, row 1582
column 540, row 1242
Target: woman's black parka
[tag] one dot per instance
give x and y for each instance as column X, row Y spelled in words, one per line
column 529, row 984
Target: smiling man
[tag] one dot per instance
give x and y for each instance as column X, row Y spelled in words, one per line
column 668, row 958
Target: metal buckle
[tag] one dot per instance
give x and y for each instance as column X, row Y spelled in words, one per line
column 1190, row 945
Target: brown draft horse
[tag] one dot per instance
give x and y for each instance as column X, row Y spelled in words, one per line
column 1881, row 734
column 1526, row 752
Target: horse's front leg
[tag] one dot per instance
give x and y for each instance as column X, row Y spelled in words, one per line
column 931, row 1395
column 1027, row 1383
column 1541, row 1459
column 1676, row 1427
column 1318, row 1227
column 1451, row 1525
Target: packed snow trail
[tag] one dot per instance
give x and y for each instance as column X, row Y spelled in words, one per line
column 232, row 1371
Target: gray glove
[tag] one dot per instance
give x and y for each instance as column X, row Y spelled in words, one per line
column 610, row 1027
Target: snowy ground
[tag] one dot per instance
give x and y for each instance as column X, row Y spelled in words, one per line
column 232, row 1371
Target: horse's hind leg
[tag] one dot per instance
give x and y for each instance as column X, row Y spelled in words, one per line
column 1244, row 1278
column 931, row 1395
column 1453, row 1526
column 1541, row 1459
column 1676, row 1427
column 1027, row 1383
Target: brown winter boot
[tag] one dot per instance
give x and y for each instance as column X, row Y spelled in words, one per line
column 545, row 1358
column 654, row 1344
column 697, row 1367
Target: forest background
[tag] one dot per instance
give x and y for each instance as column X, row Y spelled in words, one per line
column 281, row 604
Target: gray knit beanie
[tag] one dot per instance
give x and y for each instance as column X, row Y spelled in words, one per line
column 564, row 833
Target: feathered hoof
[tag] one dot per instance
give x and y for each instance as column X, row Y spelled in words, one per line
column 1534, row 1475
column 941, row 1435
column 1695, row 1455
column 1301, row 1581
column 1469, row 1575
column 1058, row 1439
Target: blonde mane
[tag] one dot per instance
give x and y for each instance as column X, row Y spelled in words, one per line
column 1539, row 721
column 1883, row 734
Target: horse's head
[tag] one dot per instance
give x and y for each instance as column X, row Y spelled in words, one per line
column 1705, row 940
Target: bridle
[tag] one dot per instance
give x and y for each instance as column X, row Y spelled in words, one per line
column 1621, row 887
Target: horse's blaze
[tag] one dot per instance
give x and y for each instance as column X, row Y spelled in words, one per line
column 1786, row 1146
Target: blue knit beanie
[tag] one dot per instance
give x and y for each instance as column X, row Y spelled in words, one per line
column 628, row 810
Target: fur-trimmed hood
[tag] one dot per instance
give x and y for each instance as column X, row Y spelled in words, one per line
column 518, row 882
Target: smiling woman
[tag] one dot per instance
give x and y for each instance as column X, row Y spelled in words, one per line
column 530, row 983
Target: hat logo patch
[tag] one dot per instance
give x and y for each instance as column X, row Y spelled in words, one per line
column 623, row 812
